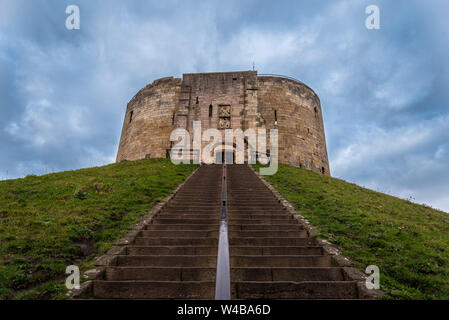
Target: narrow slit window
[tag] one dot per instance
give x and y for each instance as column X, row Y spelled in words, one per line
column 197, row 101
column 173, row 119
column 210, row 111
column 275, row 117
column 131, row 116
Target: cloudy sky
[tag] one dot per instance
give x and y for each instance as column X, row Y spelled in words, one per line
column 384, row 92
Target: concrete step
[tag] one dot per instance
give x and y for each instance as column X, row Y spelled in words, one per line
column 205, row 227
column 294, row 290
column 278, row 250
column 190, row 216
column 281, row 227
column 253, row 200
column 258, row 189
column 260, row 195
column 171, row 250
column 203, row 205
column 266, row 201
column 186, row 203
column 206, row 213
column 272, row 241
column 167, row 261
column 197, row 198
column 281, row 261
column 205, row 210
column 247, row 206
column 196, row 193
column 144, row 241
column 154, row 289
column 241, row 221
column 179, row 233
column 232, row 211
column 210, row 221
column 252, row 196
column 280, row 216
column 264, row 234
column 291, row 274
column 160, row 273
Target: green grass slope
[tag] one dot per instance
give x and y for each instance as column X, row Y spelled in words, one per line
column 52, row 221
column 409, row 242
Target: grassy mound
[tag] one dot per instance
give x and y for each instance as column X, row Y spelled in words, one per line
column 409, row 242
column 52, row 221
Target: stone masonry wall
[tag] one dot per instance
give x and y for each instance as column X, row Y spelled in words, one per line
column 149, row 121
column 252, row 102
column 204, row 94
column 299, row 122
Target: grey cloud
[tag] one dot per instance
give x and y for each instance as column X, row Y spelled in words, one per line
column 63, row 93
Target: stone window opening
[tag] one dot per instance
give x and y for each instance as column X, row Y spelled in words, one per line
column 275, row 117
column 197, row 100
column 211, row 108
column 173, row 119
column 316, row 111
column 323, row 171
column 234, row 81
column 131, row 116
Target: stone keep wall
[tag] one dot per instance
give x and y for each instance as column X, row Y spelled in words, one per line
column 299, row 121
column 253, row 101
column 149, row 121
column 204, row 94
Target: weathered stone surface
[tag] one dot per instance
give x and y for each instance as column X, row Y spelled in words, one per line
column 236, row 100
column 299, row 121
column 148, row 121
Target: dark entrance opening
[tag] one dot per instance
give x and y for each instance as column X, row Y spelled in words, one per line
column 224, row 157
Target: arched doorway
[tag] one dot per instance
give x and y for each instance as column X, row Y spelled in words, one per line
column 227, row 153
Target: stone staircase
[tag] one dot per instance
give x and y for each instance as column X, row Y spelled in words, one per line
column 175, row 257
column 272, row 255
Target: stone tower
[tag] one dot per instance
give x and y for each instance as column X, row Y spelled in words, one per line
column 236, row 100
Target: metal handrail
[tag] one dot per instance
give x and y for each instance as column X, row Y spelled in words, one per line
column 223, row 274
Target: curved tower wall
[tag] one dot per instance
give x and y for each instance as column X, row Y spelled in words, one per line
column 257, row 102
column 149, row 121
column 299, row 121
